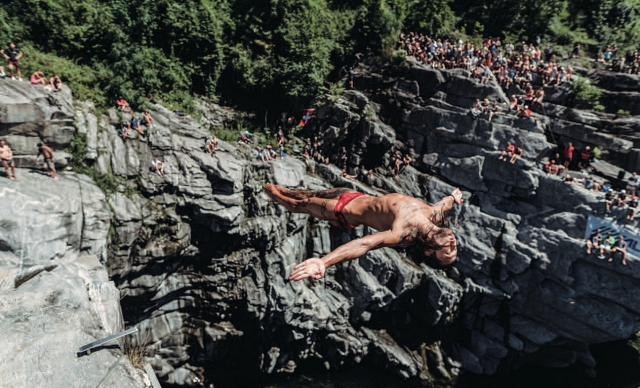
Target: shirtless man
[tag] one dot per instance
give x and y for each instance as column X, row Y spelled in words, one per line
column 398, row 218
column 6, row 157
column 49, row 164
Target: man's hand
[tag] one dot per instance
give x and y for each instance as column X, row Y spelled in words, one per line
column 313, row 268
column 457, row 196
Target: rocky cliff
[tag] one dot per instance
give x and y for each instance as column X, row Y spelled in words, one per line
column 203, row 255
column 55, row 295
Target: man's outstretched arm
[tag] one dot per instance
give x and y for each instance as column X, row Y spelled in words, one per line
column 446, row 203
column 315, row 267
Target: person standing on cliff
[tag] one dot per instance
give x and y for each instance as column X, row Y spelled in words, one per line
column 6, row 157
column 398, row 218
column 49, row 163
column 13, row 55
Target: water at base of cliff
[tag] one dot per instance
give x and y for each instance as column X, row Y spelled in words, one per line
column 618, row 367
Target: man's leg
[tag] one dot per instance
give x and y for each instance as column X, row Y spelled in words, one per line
column 6, row 169
column 53, row 169
column 318, row 204
column 13, row 170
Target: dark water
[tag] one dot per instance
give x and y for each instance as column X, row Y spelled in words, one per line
column 618, row 367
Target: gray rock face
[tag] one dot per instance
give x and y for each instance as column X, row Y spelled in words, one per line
column 203, row 254
column 30, row 114
column 55, row 296
column 48, row 317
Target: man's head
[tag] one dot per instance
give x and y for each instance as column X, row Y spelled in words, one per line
column 39, row 145
column 436, row 246
column 2, row 143
column 12, row 45
column 443, row 248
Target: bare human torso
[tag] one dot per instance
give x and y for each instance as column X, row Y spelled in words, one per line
column 6, row 153
column 401, row 214
column 399, row 219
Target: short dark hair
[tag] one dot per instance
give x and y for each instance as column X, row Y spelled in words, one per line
column 39, row 145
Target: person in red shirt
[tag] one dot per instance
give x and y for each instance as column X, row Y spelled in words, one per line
column 123, row 105
column 585, row 157
column 551, row 167
column 507, row 152
column 568, row 155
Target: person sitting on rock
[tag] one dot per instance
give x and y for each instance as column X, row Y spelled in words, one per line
column 135, row 124
column 157, row 166
column 593, row 241
column 365, row 175
column 589, row 183
column 568, row 180
column 551, row 167
column 485, row 106
column 569, row 71
column 513, row 103
column 262, row 155
column 49, row 162
column 211, row 145
column 37, row 78
column 272, row 152
column 494, row 110
column 507, row 152
column 397, row 165
column 147, row 119
column 585, row 157
column 622, row 199
column 538, row 97
column 525, row 112
column 347, row 176
column 632, row 184
column 55, row 83
column 608, row 200
column 125, row 130
column 476, row 109
column 399, row 218
column 606, row 243
column 406, row 161
column 633, row 208
column 123, row 105
column 620, row 246
column 242, row 139
column 6, row 157
column 516, row 155
column 13, row 55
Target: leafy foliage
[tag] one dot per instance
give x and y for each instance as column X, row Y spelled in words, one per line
column 266, row 55
column 585, row 95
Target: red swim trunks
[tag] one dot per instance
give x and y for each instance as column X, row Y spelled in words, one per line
column 342, row 202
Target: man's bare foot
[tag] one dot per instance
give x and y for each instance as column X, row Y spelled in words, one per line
column 55, row 178
column 11, row 178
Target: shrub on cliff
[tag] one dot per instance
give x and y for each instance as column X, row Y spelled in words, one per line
column 585, row 95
